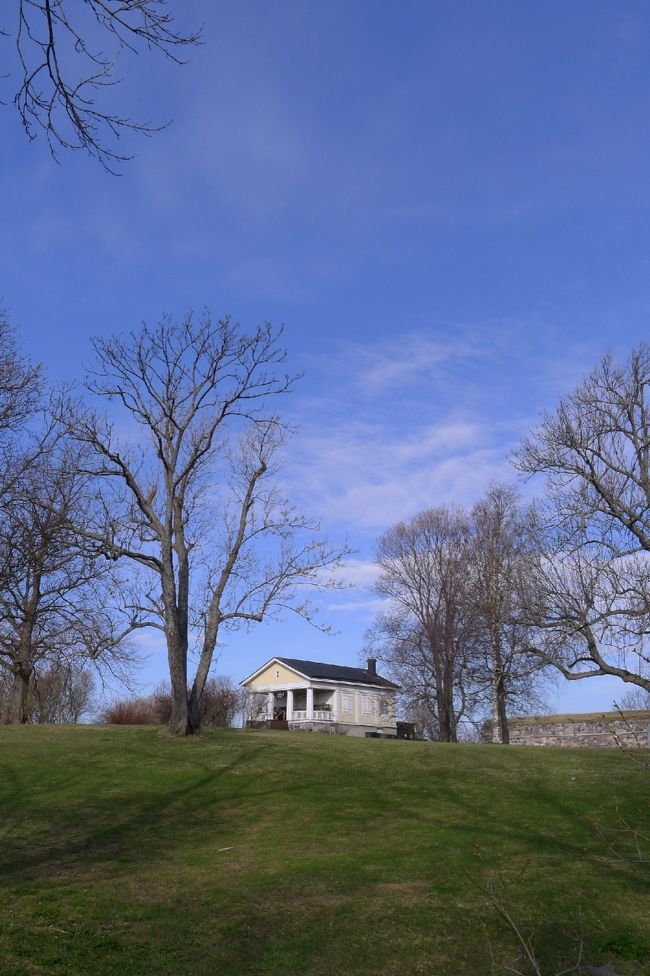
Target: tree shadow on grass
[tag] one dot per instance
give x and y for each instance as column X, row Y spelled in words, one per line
column 134, row 826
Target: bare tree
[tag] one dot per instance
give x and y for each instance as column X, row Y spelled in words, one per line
column 28, row 436
column 503, row 546
column 189, row 497
column 431, row 676
column 55, row 595
column 62, row 694
column 20, row 383
column 61, row 48
column 20, row 397
column 427, row 635
column 592, row 593
column 634, row 699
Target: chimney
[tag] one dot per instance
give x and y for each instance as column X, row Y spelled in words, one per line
column 372, row 665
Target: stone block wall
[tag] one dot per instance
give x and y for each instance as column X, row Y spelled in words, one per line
column 607, row 730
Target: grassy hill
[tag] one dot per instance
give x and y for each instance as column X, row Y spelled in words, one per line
column 128, row 853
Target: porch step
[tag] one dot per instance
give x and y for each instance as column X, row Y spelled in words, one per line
column 275, row 723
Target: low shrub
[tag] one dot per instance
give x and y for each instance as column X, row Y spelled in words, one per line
column 221, row 703
column 129, row 711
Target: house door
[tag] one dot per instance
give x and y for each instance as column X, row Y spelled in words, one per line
column 280, row 706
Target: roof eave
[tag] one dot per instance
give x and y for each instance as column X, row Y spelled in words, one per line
column 271, row 660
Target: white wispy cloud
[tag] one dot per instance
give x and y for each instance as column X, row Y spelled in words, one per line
column 425, row 419
column 393, row 363
column 369, row 607
column 360, row 573
column 358, row 597
column 368, row 482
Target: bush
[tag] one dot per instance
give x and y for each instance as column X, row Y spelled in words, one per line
column 161, row 704
column 220, row 704
column 129, row 711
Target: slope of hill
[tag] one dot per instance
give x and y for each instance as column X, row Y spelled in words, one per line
column 273, row 854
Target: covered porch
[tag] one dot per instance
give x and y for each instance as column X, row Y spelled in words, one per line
column 298, row 705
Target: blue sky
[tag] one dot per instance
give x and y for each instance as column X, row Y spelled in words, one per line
column 447, row 204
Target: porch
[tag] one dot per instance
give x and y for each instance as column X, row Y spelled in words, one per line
column 297, row 705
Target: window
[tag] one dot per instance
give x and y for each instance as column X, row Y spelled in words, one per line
column 348, row 702
column 383, row 706
column 367, row 705
column 277, row 674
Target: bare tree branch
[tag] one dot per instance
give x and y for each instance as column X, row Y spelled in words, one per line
column 58, row 598
column 189, row 496
column 65, row 70
column 592, row 605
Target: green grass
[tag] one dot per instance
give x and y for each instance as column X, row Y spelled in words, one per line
column 127, row 853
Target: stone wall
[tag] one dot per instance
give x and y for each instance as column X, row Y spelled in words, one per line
column 597, row 730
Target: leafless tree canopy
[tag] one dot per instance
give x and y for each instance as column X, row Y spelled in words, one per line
column 188, row 496
column 20, row 398
column 592, row 605
column 65, row 68
column 426, row 634
column 59, row 694
column 453, row 635
column 20, row 383
column 502, row 553
column 634, row 698
column 59, row 607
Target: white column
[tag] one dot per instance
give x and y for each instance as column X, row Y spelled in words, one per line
column 289, row 706
column 269, row 705
column 310, row 704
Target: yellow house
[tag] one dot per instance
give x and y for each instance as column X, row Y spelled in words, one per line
column 312, row 696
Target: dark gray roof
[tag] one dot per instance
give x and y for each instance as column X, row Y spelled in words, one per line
column 336, row 672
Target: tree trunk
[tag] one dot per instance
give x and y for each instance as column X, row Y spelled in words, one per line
column 179, row 722
column 194, row 705
column 453, row 725
column 451, row 732
column 441, row 699
column 496, row 726
column 500, row 731
column 176, row 633
column 19, row 702
column 446, row 715
column 502, row 715
column 202, row 672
